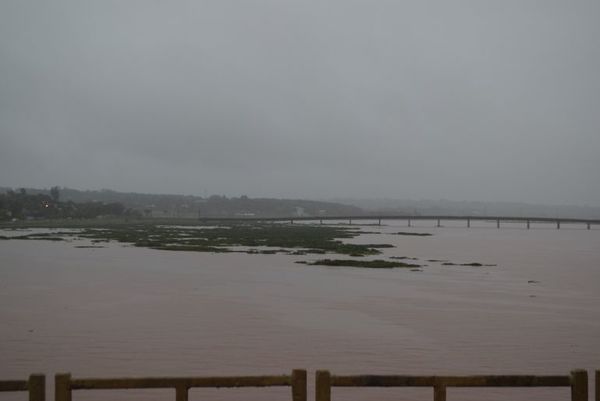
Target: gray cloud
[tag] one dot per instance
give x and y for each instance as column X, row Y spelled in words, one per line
column 419, row 99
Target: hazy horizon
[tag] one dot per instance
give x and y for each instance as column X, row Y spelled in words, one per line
column 373, row 203
column 473, row 101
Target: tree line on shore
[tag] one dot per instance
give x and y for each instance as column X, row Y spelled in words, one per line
column 192, row 206
column 21, row 205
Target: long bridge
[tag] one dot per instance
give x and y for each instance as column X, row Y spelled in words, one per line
column 527, row 221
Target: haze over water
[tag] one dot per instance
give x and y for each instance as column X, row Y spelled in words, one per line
column 125, row 311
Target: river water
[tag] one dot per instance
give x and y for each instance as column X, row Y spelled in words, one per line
column 125, row 311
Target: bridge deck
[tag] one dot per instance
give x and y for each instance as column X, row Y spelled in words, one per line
column 410, row 217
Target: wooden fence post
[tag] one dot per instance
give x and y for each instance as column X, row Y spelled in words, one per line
column 579, row 385
column 439, row 392
column 323, row 386
column 37, row 387
column 181, row 393
column 62, row 387
column 597, row 381
column 299, row 385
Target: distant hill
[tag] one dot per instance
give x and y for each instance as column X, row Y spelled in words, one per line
column 188, row 206
column 473, row 208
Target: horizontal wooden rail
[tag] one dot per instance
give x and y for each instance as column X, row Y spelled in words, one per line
column 577, row 381
column 13, row 385
column 64, row 384
column 168, row 382
column 35, row 385
column 450, row 381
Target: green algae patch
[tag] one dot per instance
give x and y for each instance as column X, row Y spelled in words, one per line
column 472, row 264
column 369, row 264
column 220, row 237
column 38, row 236
column 413, row 234
column 186, row 248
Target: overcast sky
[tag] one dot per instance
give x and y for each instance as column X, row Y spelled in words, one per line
column 463, row 100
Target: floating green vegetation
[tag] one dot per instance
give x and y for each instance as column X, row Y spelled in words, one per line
column 370, row 264
column 413, row 234
column 272, row 252
column 36, row 236
column 473, row 264
column 184, row 248
column 403, row 258
column 221, row 237
column 461, row 264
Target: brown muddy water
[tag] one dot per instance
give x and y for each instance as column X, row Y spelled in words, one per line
column 125, row 311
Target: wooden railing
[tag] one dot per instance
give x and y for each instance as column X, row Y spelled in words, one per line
column 35, row 386
column 577, row 381
column 65, row 384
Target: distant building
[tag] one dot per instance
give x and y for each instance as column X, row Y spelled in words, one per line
column 300, row 212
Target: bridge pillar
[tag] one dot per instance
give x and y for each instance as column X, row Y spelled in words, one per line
column 497, row 223
column 528, row 223
column 468, row 223
column 438, row 224
column 558, row 225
